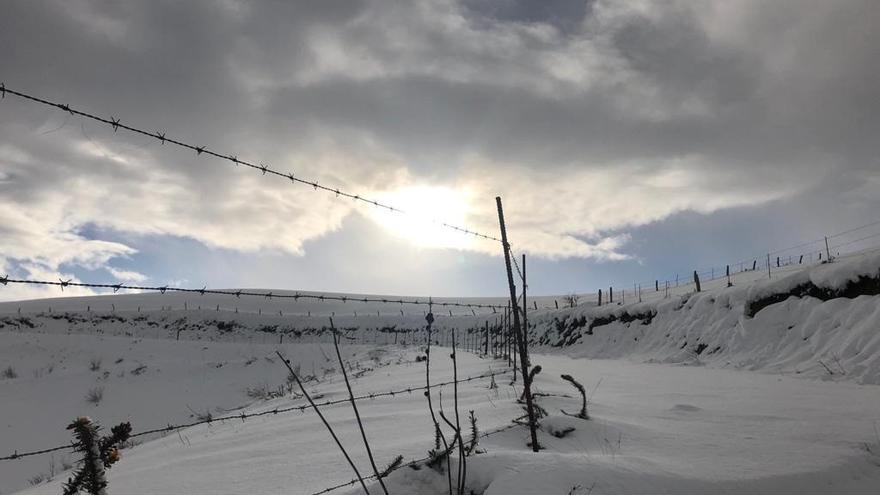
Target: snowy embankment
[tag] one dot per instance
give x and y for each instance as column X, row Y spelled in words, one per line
column 655, row 428
column 821, row 322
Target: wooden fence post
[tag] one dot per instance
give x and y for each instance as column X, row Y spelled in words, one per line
column 697, row 280
column 486, row 348
column 523, row 346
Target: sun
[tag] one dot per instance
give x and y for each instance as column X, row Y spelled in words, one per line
column 425, row 209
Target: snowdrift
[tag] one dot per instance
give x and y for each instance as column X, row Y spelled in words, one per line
column 821, row 322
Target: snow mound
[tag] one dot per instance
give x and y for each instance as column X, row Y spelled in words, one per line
column 830, row 335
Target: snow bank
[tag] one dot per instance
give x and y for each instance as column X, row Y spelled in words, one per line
column 830, row 337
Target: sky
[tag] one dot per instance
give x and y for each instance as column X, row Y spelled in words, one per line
column 629, row 140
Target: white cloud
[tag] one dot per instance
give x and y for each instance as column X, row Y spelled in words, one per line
column 127, row 275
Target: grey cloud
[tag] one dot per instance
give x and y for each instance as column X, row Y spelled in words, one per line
column 596, row 116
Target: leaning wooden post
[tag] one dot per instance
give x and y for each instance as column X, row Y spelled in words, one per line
column 697, row 280
column 600, row 298
column 525, row 306
column 523, row 349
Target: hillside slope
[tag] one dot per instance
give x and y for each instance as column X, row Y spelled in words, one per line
column 820, row 322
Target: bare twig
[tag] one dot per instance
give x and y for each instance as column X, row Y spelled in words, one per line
column 446, row 448
column 324, row 420
column 357, row 415
column 583, row 412
column 462, row 463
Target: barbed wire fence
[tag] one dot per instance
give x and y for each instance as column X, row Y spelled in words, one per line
column 269, row 412
column 772, row 264
column 776, row 263
column 5, row 280
column 115, row 124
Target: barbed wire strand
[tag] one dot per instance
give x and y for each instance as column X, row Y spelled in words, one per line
column 269, row 412
column 239, row 293
column 116, row 124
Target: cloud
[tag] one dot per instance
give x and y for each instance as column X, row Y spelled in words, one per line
column 127, row 275
column 588, row 118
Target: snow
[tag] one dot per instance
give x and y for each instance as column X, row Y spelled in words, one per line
column 710, row 328
column 665, row 417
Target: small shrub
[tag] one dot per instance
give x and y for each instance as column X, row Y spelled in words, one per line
column 97, row 451
column 264, row 392
column 492, row 384
column 95, row 395
column 474, row 441
column 10, row 373
column 95, row 364
column 37, row 479
column 202, row 416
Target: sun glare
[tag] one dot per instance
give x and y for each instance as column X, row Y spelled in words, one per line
column 426, row 207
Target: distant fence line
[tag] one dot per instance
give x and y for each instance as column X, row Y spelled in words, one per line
column 771, row 263
column 62, row 284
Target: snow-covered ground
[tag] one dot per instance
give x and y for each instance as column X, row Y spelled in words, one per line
column 672, row 409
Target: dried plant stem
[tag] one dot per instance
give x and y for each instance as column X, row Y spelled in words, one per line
column 462, row 466
column 357, row 414
column 439, row 431
column 324, row 420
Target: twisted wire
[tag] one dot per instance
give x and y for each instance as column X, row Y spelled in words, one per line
column 239, row 293
column 116, row 124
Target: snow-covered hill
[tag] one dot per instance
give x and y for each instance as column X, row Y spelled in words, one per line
column 658, row 426
column 830, row 332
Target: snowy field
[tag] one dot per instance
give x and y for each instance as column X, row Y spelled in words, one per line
column 697, row 398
